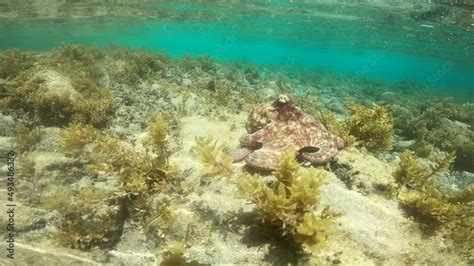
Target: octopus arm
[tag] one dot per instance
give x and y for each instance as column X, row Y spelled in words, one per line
column 253, row 140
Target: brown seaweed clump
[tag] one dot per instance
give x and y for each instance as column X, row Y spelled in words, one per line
column 90, row 218
column 286, row 206
column 213, row 157
column 449, row 213
column 371, row 128
column 142, row 176
column 59, row 89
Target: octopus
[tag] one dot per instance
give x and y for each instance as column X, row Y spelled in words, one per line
column 278, row 126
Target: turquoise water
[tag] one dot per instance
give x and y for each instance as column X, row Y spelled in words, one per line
column 437, row 57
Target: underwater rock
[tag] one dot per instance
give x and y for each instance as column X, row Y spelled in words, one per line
column 7, row 125
column 50, row 164
column 45, row 254
column 187, row 82
column 352, row 179
column 362, row 171
column 6, row 144
column 374, row 226
column 388, row 96
column 453, row 135
column 186, row 104
column 335, row 105
column 28, row 218
column 280, row 126
column 401, row 144
column 49, row 139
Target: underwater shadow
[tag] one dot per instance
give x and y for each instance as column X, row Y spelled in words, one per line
column 427, row 225
column 281, row 251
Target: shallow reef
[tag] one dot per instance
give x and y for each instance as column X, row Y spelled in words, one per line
column 125, row 157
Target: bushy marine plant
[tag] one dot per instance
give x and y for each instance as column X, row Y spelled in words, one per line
column 449, row 212
column 140, row 174
column 204, row 63
column 91, row 104
column 287, row 206
column 26, row 137
column 91, row 218
column 162, row 219
column 372, row 127
column 213, row 157
column 157, row 139
column 174, row 255
column 77, row 60
column 338, row 128
column 411, row 174
column 86, row 101
column 137, row 66
column 13, row 62
column 108, row 153
column 369, row 127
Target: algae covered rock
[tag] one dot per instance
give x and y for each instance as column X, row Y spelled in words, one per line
column 12, row 62
column 448, row 212
column 90, row 218
column 446, row 125
column 454, row 136
column 58, row 89
column 7, row 126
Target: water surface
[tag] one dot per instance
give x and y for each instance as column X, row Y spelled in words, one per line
column 299, row 35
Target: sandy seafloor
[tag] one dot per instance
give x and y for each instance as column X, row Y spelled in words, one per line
column 201, row 97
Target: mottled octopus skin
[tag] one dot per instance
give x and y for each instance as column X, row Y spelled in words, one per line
column 290, row 128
